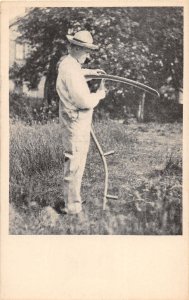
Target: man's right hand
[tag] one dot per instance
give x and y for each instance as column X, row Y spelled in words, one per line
column 99, row 72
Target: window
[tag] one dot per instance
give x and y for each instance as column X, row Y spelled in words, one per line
column 20, row 53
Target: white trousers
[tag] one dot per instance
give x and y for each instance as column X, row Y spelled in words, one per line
column 76, row 139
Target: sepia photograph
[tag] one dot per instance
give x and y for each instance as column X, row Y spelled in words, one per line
column 94, row 150
column 96, row 120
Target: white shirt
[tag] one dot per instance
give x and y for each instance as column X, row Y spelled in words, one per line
column 72, row 87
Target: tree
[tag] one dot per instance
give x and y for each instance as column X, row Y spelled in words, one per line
column 144, row 44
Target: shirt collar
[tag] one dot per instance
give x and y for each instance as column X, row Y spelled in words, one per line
column 74, row 59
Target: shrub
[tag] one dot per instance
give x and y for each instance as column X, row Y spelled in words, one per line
column 31, row 110
column 158, row 200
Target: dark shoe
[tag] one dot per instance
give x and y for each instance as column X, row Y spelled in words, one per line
column 59, row 207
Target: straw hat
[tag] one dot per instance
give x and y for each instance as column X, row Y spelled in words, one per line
column 83, row 39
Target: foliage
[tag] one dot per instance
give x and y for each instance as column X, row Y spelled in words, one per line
column 158, row 199
column 35, row 110
column 145, row 173
column 144, row 44
column 31, row 110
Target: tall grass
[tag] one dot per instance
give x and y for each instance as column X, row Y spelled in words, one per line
column 145, row 173
column 35, row 149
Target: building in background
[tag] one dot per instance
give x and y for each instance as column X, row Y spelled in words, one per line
column 18, row 53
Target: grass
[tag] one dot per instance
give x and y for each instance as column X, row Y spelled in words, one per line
column 145, row 173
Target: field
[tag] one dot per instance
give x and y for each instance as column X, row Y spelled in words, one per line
column 145, row 173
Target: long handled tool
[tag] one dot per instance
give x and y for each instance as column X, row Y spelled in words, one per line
column 102, row 154
column 126, row 81
column 103, row 157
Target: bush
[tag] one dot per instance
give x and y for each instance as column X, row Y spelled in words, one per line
column 163, row 110
column 31, row 110
column 158, row 200
column 34, row 110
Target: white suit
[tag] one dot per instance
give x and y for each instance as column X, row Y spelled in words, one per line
column 75, row 115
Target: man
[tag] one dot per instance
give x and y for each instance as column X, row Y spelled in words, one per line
column 75, row 114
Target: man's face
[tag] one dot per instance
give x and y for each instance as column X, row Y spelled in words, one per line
column 84, row 53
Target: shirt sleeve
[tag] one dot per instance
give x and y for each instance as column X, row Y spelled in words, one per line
column 88, row 72
column 79, row 91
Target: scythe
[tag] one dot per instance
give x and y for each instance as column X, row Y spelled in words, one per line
column 127, row 81
column 102, row 154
